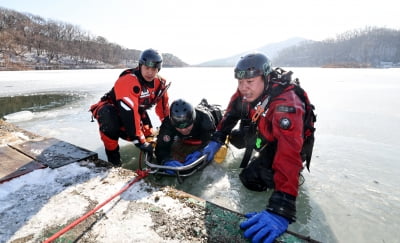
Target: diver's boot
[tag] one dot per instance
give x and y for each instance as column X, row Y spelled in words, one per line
column 114, row 157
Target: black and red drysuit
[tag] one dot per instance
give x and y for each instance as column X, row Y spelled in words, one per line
column 279, row 131
column 122, row 112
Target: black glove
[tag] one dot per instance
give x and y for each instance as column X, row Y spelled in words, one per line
column 145, row 147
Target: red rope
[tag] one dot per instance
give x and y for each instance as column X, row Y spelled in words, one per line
column 141, row 174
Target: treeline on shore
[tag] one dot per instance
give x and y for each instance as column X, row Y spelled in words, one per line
column 30, row 42
column 368, row 47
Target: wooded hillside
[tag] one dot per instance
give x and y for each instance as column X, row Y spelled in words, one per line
column 369, row 47
column 31, row 42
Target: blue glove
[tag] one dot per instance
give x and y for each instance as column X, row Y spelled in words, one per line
column 190, row 158
column 211, row 149
column 264, row 226
column 173, row 163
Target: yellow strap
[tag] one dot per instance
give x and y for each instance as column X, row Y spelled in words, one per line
column 220, row 155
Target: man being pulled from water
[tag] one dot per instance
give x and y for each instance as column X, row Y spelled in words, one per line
column 122, row 112
column 271, row 121
column 191, row 125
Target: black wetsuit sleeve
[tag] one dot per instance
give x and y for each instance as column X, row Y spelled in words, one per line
column 232, row 115
column 205, row 125
column 165, row 139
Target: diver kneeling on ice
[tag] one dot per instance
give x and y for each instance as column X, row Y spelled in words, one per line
column 273, row 111
column 122, row 112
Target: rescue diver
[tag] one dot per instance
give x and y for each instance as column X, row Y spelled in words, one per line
column 272, row 123
column 122, row 112
column 190, row 124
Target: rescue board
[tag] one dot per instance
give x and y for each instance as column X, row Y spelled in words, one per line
column 179, row 151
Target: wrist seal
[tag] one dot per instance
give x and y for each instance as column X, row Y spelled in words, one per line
column 283, row 204
column 219, row 137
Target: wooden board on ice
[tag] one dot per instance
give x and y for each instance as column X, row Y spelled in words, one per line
column 54, row 153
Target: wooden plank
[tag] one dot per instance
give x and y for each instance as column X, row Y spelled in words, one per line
column 14, row 164
column 54, row 153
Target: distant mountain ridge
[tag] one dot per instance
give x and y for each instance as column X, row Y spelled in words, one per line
column 369, row 47
column 271, row 50
column 30, row 42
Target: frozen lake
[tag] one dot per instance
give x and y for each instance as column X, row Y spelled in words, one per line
column 351, row 194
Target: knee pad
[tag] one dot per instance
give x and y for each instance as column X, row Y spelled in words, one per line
column 237, row 139
column 257, row 178
column 108, row 120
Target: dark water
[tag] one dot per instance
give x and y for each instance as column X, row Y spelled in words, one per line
column 35, row 102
